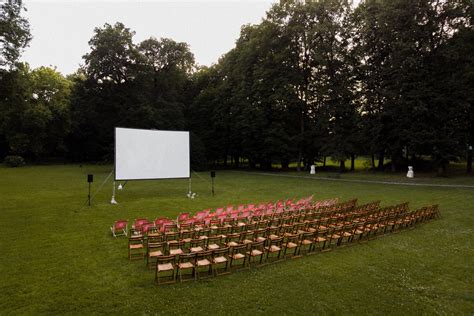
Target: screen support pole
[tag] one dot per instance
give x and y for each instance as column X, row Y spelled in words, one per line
column 113, row 201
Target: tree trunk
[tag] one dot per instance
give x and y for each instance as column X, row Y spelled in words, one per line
column 469, row 161
column 284, row 164
column 342, row 166
column 373, row 161
column 441, row 169
column 237, row 161
column 352, row 162
column 324, row 162
column 252, row 163
column 381, row 158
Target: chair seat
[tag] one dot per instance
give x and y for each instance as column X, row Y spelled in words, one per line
column 232, row 244
column 255, row 253
column 238, row 256
column 139, row 246
column 186, row 265
column 306, row 242
column 213, row 246
column 203, row 262
column 186, row 240
column 241, row 224
column 259, row 239
column 247, row 241
column 358, row 232
column 346, row 234
column 273, row 248
column 273, row 236
column 291, row 245
column 203, row 237
column 165, row 267
column 196, row 249
column 220, row 259
column 176, row 251
column 155, row 253
column 319, row 239
column 312, row 230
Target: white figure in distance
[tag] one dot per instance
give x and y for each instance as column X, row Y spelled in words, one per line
column 410, row 173
column 313, row 169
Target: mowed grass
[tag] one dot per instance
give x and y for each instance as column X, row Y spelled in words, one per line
column 59, row 257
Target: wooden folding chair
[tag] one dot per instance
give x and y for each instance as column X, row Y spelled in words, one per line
column 290, row 244
column 136, row 249
column 186, row 262
column 274, row 249
column 220, row 257
column 305, row 243
column 213, row 242
column 238, row 253
column 197, row 245
column 175, row 247
column 165, row 264
column 204, row 260
column 256, row 250
column 233, row 240
column 154, row 250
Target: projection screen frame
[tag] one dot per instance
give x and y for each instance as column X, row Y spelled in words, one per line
column 144, row 179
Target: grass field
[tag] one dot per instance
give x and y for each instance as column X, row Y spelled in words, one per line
column 59, row 257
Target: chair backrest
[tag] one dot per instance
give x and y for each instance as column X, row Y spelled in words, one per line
column 147, row 227
column 214, row 240
column 257, row 245
column 221, row 252
column 170, row 227
column 239, row 249
column 276, row 241
column 140, row 222
column 183, row 216
column 187, row 257
column 165, row 259
column 120, row 224
column 171, row 236
column 197, row 243
column 204, row 255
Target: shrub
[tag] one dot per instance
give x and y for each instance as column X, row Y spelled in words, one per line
column 14, row 161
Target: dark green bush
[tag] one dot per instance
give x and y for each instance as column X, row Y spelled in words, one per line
column 14, row 161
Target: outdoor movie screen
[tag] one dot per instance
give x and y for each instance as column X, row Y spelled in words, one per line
column 151, row 154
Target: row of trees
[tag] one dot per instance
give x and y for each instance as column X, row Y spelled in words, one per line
column 315, row 79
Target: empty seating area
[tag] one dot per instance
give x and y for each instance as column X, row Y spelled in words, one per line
column 210, row 244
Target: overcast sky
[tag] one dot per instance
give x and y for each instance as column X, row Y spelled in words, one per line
column 61, row 29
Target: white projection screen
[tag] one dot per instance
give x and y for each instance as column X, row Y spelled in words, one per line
column 151, row 154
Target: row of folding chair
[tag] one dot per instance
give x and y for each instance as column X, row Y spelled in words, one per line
column 142, row 225
column 214, row 256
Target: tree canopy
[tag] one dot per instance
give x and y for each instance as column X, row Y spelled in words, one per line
column 315, row 79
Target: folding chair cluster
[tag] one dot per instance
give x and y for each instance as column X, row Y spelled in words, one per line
column 242, row 213
column 200, row 250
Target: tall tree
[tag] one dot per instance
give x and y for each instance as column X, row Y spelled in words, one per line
column 14, row 32
column 39, row 122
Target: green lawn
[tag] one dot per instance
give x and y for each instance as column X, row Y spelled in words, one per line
column 57, row 257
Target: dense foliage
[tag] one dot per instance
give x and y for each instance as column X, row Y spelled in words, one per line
column 315, row 79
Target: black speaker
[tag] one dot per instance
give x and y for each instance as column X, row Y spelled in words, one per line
column 213, row 174
column 90, row 178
